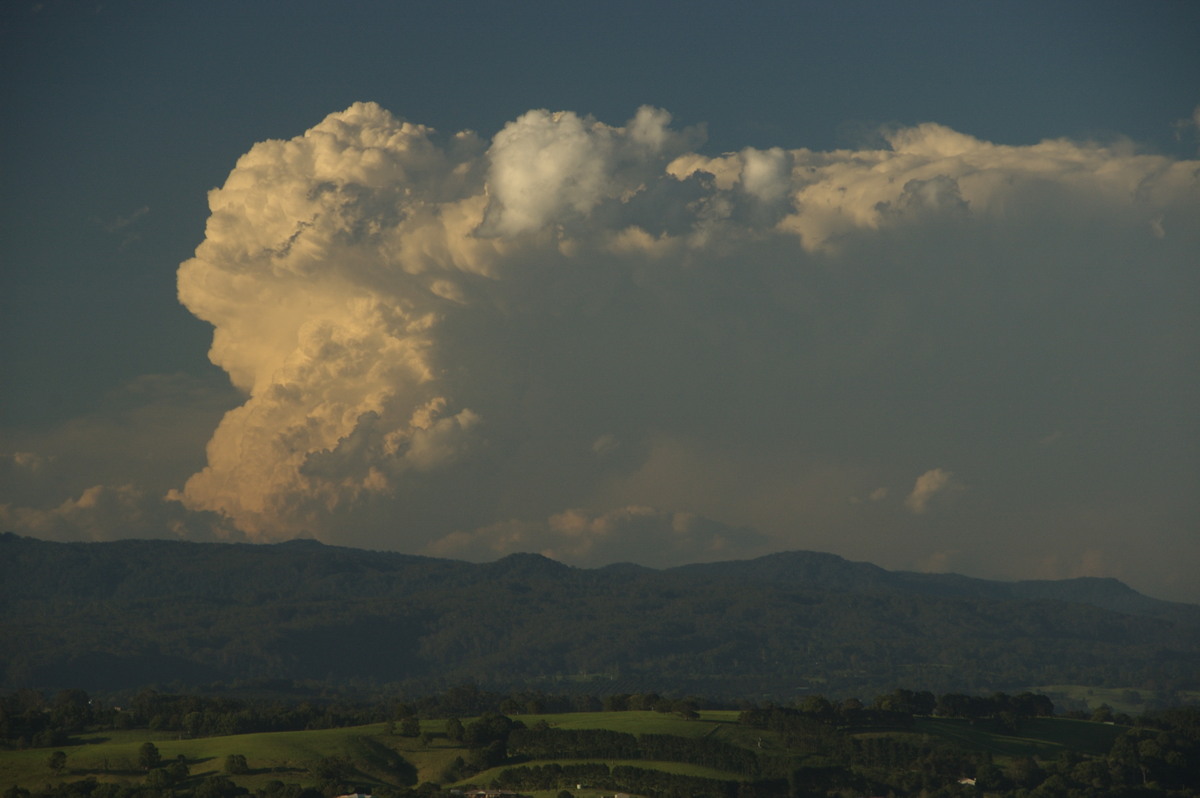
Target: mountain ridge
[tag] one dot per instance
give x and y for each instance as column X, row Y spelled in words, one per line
column 83, row 614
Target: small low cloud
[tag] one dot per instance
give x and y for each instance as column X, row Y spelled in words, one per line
column 141, row 439
column 934, row 482
column 1189, row 129
column 122, row 222
column 116, row 512
column 645, row 535
column 939, row 562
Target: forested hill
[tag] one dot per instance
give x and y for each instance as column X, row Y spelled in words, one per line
column 130, row 613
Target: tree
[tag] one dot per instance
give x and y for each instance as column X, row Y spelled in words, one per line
column 148, row 756
column 410, row 727
column 486, row 757
column 816, row 705
column 331, row 769
column 71, row 710
column 235, row 764
column 158, row 779
column 489, row 727
column 455, row 730
column 178, row 771
column 218, row 787
column 57, row 761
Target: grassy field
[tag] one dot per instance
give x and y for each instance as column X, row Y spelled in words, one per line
column 638, row 722
column 1119, row 699
column 286, row 756
column 667, row 767
column 1042, row 737
column 290, row 756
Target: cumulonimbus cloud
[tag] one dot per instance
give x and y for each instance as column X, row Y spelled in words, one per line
column 438, row 334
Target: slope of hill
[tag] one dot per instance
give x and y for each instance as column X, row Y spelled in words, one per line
column 128, row 613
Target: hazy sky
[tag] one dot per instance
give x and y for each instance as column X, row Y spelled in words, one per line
column 913, row 283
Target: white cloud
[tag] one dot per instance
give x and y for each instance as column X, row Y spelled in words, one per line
column 558, row 167
column 604, row 445
column 933, row 482
column 435, row 332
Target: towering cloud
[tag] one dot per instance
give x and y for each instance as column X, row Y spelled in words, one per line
column 444, row 341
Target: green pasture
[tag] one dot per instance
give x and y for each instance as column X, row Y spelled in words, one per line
column 1120, row 699
column 290, row 756
column 1041, row 737
column 636, row 723
column 286, row 756
column 678, row 768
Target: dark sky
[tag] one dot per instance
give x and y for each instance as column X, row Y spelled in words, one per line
column 913, row 283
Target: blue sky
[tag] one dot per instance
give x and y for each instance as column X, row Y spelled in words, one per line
column 121, row 117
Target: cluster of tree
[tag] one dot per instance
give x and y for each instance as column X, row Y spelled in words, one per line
column 29, row 719
column 1163, row 749
column 641, row 702
column 207, row 787
column 896, row 710
column 698, row 751
column 547, row 743
column 198, row 715
column 1025, row 705
column 469, row 698
column 212, row 787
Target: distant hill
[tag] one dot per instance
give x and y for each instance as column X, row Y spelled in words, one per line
column 130, row 613
column 830, row 572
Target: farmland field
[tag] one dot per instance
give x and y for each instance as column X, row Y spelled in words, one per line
column 375, row 758
column 1044, row 737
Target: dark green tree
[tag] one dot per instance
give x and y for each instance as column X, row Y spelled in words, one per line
column 148, row 756
column 71, row 710
column 178, row 771
column 158, row 779
column 57, row 761
column 218, row 787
